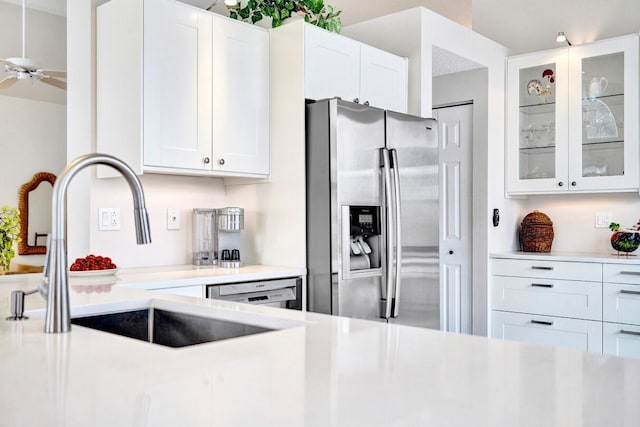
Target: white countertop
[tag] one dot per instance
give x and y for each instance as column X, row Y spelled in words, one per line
column 611, row 258
column 323, row 371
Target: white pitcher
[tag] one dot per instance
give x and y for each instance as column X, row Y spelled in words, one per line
column 597, row 86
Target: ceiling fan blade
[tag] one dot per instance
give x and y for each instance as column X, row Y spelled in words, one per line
column 9, row 66
column 54, row 82
column 8, row 81
column 53, row 73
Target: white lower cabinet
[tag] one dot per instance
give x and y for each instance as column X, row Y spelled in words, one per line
column 583, row 335
column 621, row 340
column 621, row 310
column 592, row 305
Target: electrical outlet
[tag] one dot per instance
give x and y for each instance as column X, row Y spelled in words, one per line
column 173, row 219
column 603, row 219
column 108, row 219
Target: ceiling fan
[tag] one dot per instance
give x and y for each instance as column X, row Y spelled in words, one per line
column 13, row 70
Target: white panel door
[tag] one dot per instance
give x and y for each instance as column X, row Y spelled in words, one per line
column 331, row 65
column 455, row 138
column 241, row 105
column 177, row 86
column 383, row 79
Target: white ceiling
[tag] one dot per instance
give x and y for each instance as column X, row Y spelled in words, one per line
column 521, row 25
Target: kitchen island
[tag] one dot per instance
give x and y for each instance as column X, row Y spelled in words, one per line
column 313, row 370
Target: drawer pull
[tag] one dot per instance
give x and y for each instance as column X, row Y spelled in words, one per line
column 542, row 285
column 622, row 331
column 624, row 291
column 630, row 273
column 539, row 267
column 542, row 322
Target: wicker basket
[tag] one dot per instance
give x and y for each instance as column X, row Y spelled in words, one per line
column 536, row 232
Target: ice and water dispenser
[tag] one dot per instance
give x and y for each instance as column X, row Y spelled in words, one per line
column 363, row 244
column 216, row 236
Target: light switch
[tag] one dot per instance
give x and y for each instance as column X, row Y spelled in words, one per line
column 603, row 219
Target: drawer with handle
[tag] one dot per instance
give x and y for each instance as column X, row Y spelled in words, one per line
column 564, row 298
column 583, row 335
column 621, row 340
column 621, row 303
column 582, row 271
column 621, row 273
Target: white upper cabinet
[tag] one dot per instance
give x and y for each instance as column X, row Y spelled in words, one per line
column 332, row 65
column 181, row 90
column 335, row 65
column 572, row 119
column 241, row 119
column 176, row 86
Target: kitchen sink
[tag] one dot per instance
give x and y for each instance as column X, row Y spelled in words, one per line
column 176, row 325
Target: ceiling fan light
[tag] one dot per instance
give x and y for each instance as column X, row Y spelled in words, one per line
column 561, row 38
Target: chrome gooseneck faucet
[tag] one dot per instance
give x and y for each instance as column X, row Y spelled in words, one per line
column 55, row 283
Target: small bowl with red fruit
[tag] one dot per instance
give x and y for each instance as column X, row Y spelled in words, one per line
column 93, row 265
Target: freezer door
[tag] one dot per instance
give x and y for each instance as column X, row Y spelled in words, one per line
column 417, row 293
column 356, row 178
column 343, row 169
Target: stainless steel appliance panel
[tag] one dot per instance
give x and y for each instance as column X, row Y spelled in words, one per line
column 415, row 142
column 343, row 144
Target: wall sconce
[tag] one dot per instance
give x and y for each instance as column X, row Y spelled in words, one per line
column 561, row 38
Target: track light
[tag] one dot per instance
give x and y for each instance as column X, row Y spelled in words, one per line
column 561, row 38
column 231, row 3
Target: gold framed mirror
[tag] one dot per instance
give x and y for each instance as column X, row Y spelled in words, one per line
column 34, row 203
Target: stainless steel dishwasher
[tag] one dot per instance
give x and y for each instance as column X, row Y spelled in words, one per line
column 285, row 293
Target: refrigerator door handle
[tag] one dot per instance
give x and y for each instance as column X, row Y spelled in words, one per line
column 386, row 173
column 398, row 231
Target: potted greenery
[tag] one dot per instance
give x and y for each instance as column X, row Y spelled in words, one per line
column 9, row 235
column 312, row 11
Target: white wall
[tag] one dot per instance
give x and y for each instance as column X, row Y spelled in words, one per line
column 33, row 124
column 33, row 137
column 168, row 247
column 573, row 218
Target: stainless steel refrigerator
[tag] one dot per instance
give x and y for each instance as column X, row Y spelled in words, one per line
column 372, row 214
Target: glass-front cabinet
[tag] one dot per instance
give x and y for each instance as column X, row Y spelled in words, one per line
column 572, row 119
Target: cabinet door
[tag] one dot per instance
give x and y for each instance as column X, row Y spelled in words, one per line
column 583, row 335
column 241, row 105
column 177, row 86
column 603, row 115
column 621, row 340
column 331, row 65
column 537, row 123
column 383, row 79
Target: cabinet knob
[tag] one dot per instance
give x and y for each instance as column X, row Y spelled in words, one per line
column 221, row 162
column 366, row 103
column 357, row 100
column 206, row 160
column 560, row 184
column 573, row 183
column 450, row 252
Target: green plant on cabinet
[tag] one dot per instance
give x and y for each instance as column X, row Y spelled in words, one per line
column 314, row 12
